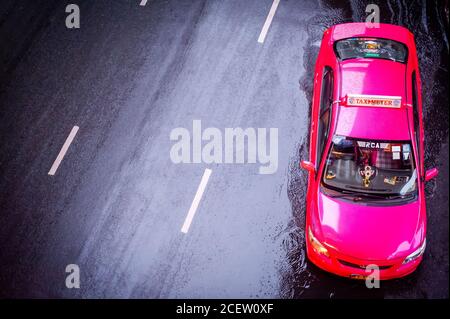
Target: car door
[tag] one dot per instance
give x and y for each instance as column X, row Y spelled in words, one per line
column 417, row 120
column 324, row 113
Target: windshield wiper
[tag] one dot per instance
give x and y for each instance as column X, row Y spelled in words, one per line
column 343, row 193
column 358, row 196
column 400, row 196
column 354, row 197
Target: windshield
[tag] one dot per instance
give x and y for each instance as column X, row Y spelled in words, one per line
column 371, row 48
column 370, row 167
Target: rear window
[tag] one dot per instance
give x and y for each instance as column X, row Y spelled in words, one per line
column 371, row 48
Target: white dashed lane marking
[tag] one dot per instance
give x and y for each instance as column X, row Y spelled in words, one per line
column 196, row 201
column 273, row 9
column 63, row 151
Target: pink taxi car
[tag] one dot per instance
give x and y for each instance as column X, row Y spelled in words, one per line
column 366, row 201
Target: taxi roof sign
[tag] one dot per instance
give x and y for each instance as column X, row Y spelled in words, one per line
column 373, row 100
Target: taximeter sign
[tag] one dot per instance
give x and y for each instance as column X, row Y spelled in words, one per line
column 374, row 100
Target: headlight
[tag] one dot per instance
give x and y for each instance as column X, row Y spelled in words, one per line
column 416, row 254
column 318, row 247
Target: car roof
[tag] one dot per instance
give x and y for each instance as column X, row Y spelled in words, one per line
column 372, row 77
column 372, row 123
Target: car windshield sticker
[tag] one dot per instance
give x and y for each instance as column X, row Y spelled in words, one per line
column 396, row 152
column 374, row 100
column 366, row 144
column 406, row 150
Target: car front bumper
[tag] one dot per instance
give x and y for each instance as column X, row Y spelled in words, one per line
column 356, row 269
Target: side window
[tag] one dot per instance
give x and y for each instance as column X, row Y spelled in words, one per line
column 416, row 113
column 326, row 102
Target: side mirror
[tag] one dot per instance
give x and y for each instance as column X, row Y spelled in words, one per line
column 430, row 174
column 308, row 166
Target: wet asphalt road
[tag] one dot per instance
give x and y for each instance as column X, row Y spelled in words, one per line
column 115, row 207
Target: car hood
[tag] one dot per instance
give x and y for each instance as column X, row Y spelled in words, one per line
column 369, row 232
